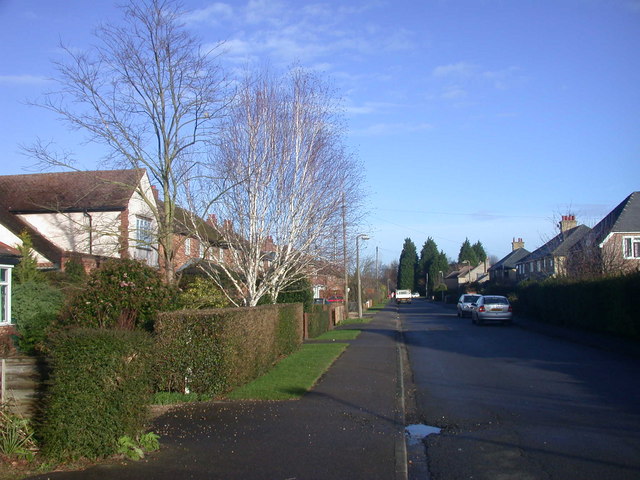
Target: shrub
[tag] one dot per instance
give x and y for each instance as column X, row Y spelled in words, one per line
column 123, row 294
column 200, row 292
column 99, row 391
column 16, row 434
column 298, row 292
column 35, row 306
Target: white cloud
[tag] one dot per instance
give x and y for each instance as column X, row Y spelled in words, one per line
column 454, row 69
column 213, row 13
column 22, row 80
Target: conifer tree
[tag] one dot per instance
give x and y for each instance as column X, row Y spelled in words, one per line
column 428, row 254
column 467, row 253
column 407, row 266
column 480, row 252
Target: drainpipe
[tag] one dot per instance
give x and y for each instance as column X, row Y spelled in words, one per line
column 86, row 215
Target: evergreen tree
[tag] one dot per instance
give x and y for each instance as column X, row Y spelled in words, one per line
column 407, row 266
column 27, row 269
column 480, row 253
column 427, row 256
column 468, row 253
column 440, row 264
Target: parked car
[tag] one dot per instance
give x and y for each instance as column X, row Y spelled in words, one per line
column 320, row 301
column 336, row 299
column 492, row 308
column 415, row 295
column 465, row 304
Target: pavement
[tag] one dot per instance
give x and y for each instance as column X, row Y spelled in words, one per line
column 350, row 426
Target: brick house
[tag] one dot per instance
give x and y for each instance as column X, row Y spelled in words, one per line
column 613, row 245
column 88, row 216
column 549, row 260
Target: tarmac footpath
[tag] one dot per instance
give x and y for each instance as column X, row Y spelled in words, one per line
column 350, row 426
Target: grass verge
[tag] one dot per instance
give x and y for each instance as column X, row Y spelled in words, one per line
column 293, row 376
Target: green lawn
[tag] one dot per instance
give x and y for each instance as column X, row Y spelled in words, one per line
column 293, row 376
column 349, row 334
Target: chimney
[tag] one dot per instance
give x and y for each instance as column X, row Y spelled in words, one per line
column 154, row 189
column 213, row 220
column 567, row 223
column 516, row 244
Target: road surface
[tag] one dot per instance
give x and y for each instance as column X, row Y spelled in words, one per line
column 514, row 404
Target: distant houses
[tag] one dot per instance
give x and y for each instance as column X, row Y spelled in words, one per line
column 611, row 247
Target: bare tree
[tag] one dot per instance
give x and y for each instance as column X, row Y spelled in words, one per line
column 148, row 93
column 287, row 174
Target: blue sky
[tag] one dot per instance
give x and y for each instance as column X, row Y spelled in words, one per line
column 485, row 119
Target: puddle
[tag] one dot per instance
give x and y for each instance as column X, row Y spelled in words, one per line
column 416, row 433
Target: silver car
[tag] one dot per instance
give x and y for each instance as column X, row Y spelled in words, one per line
column 465, row 303
column 492, row 308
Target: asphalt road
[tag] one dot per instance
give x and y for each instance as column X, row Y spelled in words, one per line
column 515, row 404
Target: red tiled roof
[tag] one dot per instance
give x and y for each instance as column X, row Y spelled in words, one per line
column 68, row 191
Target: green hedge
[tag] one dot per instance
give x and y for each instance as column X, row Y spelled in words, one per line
column 603, row 305
column 318, row 320
column 99, row 391
column 212, row 351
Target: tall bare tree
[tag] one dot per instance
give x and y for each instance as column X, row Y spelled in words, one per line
column 287, row 173
column 151, row 95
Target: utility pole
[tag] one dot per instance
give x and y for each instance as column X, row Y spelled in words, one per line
column 344, row 251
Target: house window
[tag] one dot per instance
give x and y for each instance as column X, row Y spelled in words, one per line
column 631, row 247
column 201, row 249
column 221, row 255
column 5, row 295
column 144, row 233
column 187, row 246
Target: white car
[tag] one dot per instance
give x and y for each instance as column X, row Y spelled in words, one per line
column 415, row 295
column 465, row 304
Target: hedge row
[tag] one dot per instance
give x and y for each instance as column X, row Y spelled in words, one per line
column 212, row 351
column 99, row 390
column 604, row 305
column 318, row 320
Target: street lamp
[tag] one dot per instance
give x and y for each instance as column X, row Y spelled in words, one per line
column 358, row 237
column 441, row 282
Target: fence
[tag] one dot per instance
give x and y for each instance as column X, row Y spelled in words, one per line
column 19, row 384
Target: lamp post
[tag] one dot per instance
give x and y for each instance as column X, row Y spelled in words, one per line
column 358, row 237
column 441, row 282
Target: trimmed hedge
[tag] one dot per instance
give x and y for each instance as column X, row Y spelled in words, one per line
column 212, row 351
column 318, row 320
column 603, row 305
column 99, row 391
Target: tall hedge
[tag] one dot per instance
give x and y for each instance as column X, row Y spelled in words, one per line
column 100, row 390
column 212, row 351
column 604, row 305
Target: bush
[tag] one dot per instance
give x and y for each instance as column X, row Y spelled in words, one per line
column 200, row 292
column 35, row 306
column 298, row 292
column 123, row 294
column 99, row 391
